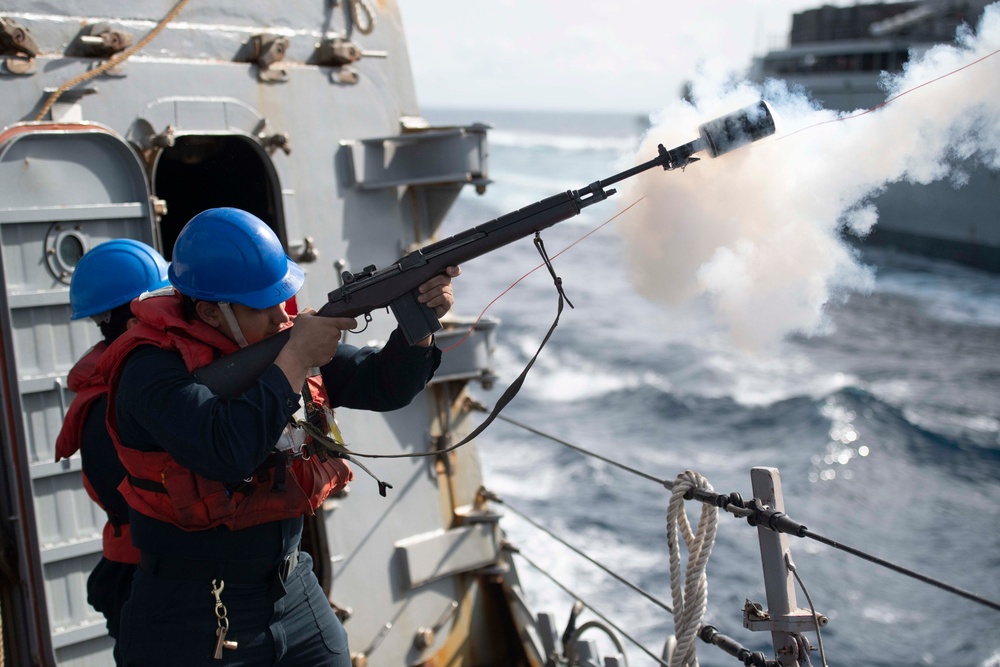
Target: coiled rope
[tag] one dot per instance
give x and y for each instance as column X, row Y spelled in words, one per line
column 691, row 599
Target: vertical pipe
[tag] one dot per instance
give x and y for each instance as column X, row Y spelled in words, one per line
column 778, row 582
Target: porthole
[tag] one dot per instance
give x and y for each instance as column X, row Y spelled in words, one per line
column 64, row 246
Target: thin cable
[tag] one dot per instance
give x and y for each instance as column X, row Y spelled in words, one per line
column 663, row 482
column 902, row 570
column 737, row 509
column 803, row 532
column 812, row 607
column 591, row 608
column 583, row 555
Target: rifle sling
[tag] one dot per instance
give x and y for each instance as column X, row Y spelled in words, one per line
column 515, row 386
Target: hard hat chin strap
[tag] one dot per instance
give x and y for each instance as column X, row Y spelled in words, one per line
column 234, row 326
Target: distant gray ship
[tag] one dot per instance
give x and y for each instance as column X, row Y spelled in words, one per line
column 838, row 54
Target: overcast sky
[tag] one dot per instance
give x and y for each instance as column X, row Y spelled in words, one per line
column 626, row 55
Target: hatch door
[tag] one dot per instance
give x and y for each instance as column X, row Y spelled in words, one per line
column 64, row 188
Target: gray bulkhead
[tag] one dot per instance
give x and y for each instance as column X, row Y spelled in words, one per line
column 338, row 160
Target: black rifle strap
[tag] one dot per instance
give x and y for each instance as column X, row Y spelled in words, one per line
column 317, row 419
column 540, row 245
column 515, row 386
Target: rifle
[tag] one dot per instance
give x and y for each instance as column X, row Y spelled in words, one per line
column 395, row 286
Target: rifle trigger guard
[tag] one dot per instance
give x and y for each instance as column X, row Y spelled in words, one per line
column 368, row 320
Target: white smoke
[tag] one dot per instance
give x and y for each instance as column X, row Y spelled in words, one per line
column 759, row 231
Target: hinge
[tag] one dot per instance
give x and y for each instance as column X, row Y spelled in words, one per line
column 19, row 47
column 340, row 53
column 267, row 51
column 98, row 40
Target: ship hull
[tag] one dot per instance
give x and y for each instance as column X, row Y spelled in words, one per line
column 960, row 224
column 834, row 58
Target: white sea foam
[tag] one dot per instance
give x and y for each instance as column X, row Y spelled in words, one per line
column 566, row 380
column 560, row 376
column 757, row 232
column 757, row 381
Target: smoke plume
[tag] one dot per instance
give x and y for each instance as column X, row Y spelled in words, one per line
column 760, row 232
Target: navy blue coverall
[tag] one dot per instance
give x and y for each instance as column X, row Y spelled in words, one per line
column 110, row 583
column 170, row 618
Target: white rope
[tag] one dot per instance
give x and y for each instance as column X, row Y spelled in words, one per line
column 358, row 7
column 690, row 598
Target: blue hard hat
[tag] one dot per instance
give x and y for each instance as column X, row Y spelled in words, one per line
column 112, row 274
column 227, row 254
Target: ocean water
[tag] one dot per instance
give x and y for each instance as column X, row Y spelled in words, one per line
column 885, row 428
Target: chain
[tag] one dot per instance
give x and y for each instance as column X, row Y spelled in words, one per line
column 220, row 609
column 223, row 621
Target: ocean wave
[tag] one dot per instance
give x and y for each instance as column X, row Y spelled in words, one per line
column 945, row 291
column 863, row 424
column 756, row 403
column 569, row 373
column 562, row 376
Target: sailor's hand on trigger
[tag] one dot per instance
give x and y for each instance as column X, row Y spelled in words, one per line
column 312, row 342
column 437, row 292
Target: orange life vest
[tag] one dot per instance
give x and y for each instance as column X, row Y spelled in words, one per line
column 287, row 485
column 89, row 386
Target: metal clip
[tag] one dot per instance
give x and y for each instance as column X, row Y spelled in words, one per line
column 19, row 46
column 221, row 642
column 266, row 51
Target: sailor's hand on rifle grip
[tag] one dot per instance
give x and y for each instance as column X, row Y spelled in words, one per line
column 437, row 292
column 312, row 342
